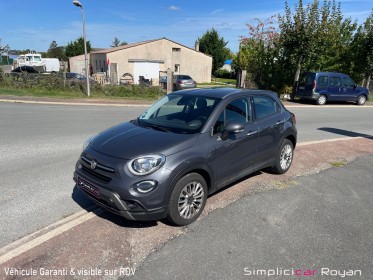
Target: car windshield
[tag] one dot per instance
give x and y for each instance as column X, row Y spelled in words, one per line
column 179, row 113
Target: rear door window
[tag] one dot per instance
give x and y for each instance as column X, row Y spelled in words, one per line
column 265, row 106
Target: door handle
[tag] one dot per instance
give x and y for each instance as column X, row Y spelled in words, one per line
column 251, row 133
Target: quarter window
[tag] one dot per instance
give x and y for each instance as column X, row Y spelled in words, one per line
column 265, row 106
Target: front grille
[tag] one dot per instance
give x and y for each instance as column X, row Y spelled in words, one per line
column 99, row 171
column 96, row 174
column 98, row 165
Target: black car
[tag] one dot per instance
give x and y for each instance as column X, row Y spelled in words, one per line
column 186, row 146
column 25, row 69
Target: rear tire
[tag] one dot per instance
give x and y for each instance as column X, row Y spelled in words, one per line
column 361, row 100
column 321, row 100
column 284, row 157
column 187, row 200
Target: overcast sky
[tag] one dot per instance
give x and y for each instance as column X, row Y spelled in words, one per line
column 35, row 24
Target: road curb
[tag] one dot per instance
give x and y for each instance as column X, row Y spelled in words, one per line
column 72, row 103
column 34, row 239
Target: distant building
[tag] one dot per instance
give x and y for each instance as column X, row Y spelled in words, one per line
column 147, row 59
column 227, row 65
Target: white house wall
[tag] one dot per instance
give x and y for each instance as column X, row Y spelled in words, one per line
column 193, row 63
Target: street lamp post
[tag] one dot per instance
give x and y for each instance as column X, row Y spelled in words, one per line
column 78, row 4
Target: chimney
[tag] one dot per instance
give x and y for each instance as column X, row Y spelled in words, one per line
column 196, row 46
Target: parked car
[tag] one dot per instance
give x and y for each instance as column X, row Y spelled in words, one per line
column 183, row 82
column 186, row 146
column 330, row 86
column 25, row 69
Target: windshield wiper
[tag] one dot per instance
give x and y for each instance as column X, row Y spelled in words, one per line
column 161, row 128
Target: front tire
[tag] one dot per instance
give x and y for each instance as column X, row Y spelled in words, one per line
column 361, row 100
column 284, row 157
column 188, row 199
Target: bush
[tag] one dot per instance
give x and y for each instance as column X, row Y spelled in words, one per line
column 54, row 85
column 2, row 76
column 223, row 73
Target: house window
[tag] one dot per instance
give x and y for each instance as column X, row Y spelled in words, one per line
column 176, row 49
column 177, row 68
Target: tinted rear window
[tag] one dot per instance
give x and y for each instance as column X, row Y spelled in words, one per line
column 184, row 77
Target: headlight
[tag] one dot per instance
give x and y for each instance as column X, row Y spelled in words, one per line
column 146, row 164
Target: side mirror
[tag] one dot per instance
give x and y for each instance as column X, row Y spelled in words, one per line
column 231, row 128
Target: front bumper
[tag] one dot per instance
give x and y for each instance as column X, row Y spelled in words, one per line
column 112, row 202
column 111, row 189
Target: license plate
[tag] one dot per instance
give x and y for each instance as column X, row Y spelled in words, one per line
column 302, row 88
column 89, row 187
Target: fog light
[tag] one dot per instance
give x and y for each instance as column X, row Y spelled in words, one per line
column 144, row 187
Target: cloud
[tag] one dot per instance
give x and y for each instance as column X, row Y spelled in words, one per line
column 174, row 8
column 217, row 11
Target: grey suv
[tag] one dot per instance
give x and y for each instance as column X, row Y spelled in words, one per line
column 183, row 148
column 330, row 86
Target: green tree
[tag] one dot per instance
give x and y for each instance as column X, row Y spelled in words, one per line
column 56, row 51
column 298, row 35
column 362, row 52
column 211, row 43
column 115, row 43
column 258, row 52
column 4, row 49
column 315, row 37
column 77, row 47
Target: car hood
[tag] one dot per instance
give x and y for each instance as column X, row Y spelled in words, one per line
column 362, row 89
column 128, row 141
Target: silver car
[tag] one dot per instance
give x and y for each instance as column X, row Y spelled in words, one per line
column 183, row 82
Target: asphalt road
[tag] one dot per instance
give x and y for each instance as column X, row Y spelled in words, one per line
column 39, row 145
column 319, row 229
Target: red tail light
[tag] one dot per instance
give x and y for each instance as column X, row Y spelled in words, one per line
column 293, row 119
column 314, row 84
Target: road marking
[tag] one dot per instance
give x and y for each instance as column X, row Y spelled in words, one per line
column 347, row 138
column 29, row 242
